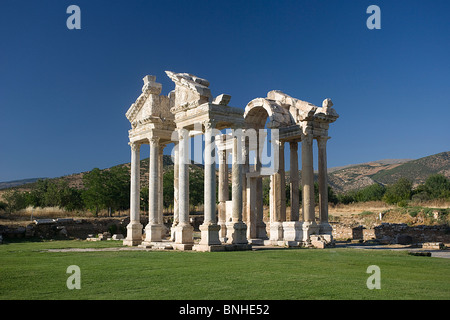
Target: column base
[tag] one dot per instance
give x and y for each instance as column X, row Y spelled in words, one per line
column 309, row 228
column 208, row 248
column 293, row 231
column 322, row 241
column 134, row 234
column 153, row 232
column 209, row 234
column 261, row 231
column 236, row 233
column 276, row 231
column 184, row 234
column 172, row 232
column 325, row 228
column 182, row 246
column 223, row 231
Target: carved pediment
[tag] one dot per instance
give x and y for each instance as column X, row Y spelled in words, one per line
column 150, row 106
column 190, row 91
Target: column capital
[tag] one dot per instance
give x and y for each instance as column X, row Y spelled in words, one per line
column 135, row 146
column 209, row 124
column 153, row 141
column 293, row 145
column 307, row 138
column 182, row 133
column 279, row 143
column 322, row 140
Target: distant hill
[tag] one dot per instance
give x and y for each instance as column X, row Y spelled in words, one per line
column 76, row 180
column 385, row 172
column 15, row 183
column 416, row 170
column 341, row 179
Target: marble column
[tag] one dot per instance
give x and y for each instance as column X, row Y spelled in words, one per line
column 184, row 230
column 236, row 228
column 294, row 177
column 251, row 209
column 175, row 191
column 278, row 196
column 209, row 229
column 153, row 229
column 324, row 227
column 245, row 181
column 134, row 228
column 293, row 228
column 223, row 193
column 160, row 190
column 309, row 224
column 261, row 231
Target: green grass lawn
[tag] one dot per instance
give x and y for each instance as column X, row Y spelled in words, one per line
column 28, row 272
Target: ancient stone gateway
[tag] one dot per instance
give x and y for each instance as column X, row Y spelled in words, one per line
column 234, row 224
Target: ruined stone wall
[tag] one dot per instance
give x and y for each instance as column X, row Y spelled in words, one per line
column 62, row 228
column 393, row 233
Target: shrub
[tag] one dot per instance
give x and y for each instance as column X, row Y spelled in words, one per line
column 374, row 192
column 437, row 186
column 401, row 190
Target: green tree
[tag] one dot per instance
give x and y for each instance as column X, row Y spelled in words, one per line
column 168, row 180
column 196, row 187
column 36, row 197
column 70, row 199
column 266, row 190
column 438, row 186
column 117, row 188
column 94, row 194
column 14, row 200
column 106, row 189
column 347, row 197
column 399, row 191
column 332, row 197
column 51, row 197
column 144, row 198
column 374, row 192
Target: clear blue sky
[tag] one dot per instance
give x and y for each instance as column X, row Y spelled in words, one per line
column 64, row 93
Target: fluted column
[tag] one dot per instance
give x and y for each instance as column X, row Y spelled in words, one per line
column 160, row 190
column 236, row 229
column 154, row 227
column 261, row 231
column 292, row 229
column 278, row 195
column 325, row 227
column 175, row 191
column 134, row 228
column 294, row 177
column 309, row 224
column 223, row 192
column 184, row 230
column 209, row 229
